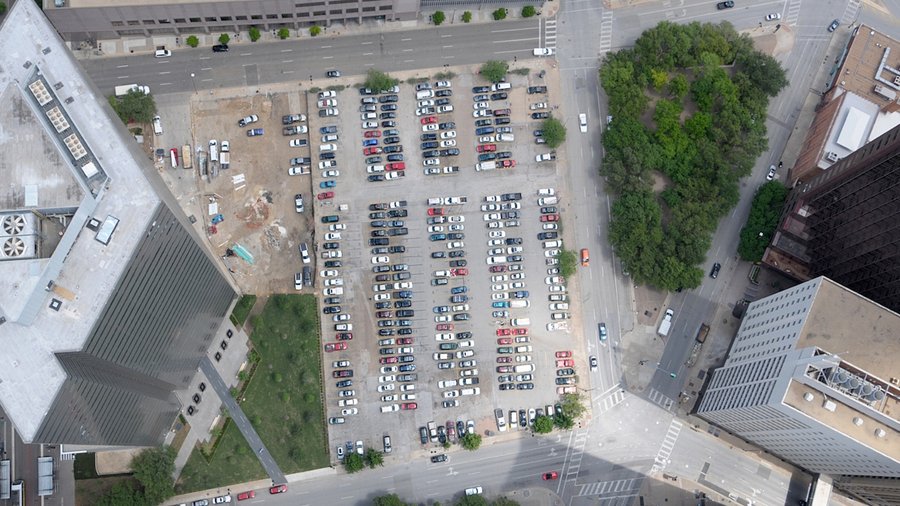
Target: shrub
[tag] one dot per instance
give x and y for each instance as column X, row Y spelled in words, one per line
column 224, row 38
column 499, row 14
column 554, row 132
column 192, row 41
column 528, row 11
column 315, row 30
column 567, row 263
column 470, row 442
column 254, row 34
column 543, row 425
column 438, row 17
column 494, row 70
column 353, row 462
column 467, row 16
column 283, row 33
column 379, row 81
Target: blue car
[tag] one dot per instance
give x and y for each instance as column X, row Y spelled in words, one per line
column 254, row 132
column 437, row 237
column 370, row 142
column 484, row 130
column 459, row 289
column 500, row 303
column 521, row 294
column 328, row 184
column 405, row 294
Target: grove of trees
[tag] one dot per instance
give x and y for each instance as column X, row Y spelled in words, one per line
column 152, row 470
column 554, row 132
column 470, row 442
column 494, row 70
column 134, row 106
column 689, row 107
column 764, row 214
column 379, row 81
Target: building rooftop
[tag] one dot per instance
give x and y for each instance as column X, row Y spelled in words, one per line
column 70, row 168
column 872, row 60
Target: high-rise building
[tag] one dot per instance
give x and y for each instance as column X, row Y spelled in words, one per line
column 108, row 300
column 812, row 378
column 844, row 224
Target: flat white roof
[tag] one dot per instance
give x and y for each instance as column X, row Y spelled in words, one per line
column 853, row 130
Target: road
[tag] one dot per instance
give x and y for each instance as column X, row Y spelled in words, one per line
column 303, row 60
column 629, row 438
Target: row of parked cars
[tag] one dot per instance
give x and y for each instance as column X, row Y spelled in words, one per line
column 381, row 137
column 455, row 347
column 438, row 138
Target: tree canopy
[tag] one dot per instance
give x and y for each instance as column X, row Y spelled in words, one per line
column 494, row 70
column 134, row 106
column 689, row 106
column 470, row 442
column 543, row 425
column 379, row 81
column 353, row 462
column 765, row 211
column 554, row 132
column 438, row 17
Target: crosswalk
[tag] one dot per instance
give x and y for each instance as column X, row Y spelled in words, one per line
column 574, row 463
column 850, row 12
column 792, row 13
column 609, row 401
column 610, row 492
column 665, row 449
column 550, row 33
column 606, row 22
column 660, row 399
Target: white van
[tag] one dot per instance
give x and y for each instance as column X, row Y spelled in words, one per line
column 520, row 322
column 524, row 368
column 546, row 192
column 552, row 244
column 501, row 86
column 547, row 201
column 157, row 125
column 214, row 150
column 424, row 94
column 470, row 391
column 327, row 148
column 506, row 138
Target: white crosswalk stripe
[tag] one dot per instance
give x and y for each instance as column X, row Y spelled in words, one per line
column 574, row 462
column 792, row 14
column 606, row 22
column 850, row 12
column 665, row 449
column 658, row 398
column 550, row 33
column 610, row 401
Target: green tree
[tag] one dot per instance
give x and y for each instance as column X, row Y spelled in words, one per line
column 254, row 34
column 543, row 425
column 499, row 14
column 765, row 211
column 374, row 458
column 467, row 16
column 283, row 33
column 554, row 132
column 134, row 106
column 472, row 500
column 563, row 421
column 353, row 462
column 438, row 17
column 153, row 469
column 224, row 38
column 572, row 405
column 379, row 81
column 389, row 500
column 192, row 41
column 2, row 8
column 315, row 30
column 470, row 442
column 568, row 261
column 494, row 70
column 122, row 494
column 659, row 78
column 678, row 87
column 528, row 11
column 504, row 501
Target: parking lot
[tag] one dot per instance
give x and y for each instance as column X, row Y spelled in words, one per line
column 410, row 266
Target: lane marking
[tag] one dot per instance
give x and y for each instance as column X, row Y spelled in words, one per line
column 325, row 47
column 122, row 77
column 366, row 43
column 164, row 73
column 286, row 50
column 121, row 66
column 287, row 61
column 513, row 30
column 246, row 54
column 512, row 40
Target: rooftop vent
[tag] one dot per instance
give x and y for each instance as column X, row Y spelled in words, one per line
column 13, row 247
column 831, row 156
column 808, row 397
column 880, row 433
column 14, row 224
column 830, row 406
column 857, row 421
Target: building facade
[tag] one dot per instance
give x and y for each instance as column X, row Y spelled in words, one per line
column 108, row 298
column 92, row 20
column 811, row 378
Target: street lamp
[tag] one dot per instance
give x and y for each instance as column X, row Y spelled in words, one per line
column 193, row 83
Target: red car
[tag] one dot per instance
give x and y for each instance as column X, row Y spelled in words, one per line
column 409, row 405
column 335, row 346
column 565, row 363
column 506, row 163
column 387, row 360
column 246, row 495
column 521, row 331
column 504, row 340
column 436, row 211
column 502, row 112
column 278, row 489
column 375, row 150
column 486, row 148
column 395, row 166
column 405, row 340
column 344, row 336
column 504, row 360
column 325, row 195
column 552, row 475
column 428, row 119
column 504, row 368
column 372, row 133
column 443, row 326
column 549, row 217
column 563, row 354
column 459, row 272
column 498, row 268
column 504, row 332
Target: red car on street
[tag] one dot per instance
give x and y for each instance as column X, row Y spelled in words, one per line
column 372, row 133
column 375, row 150
column 504, row 340
column 504, row 332
column 428, row 119
column 563, row 354
column 550, row 217
column 552, row 475
column 246, row 495
column 325, row 195
column 395, row 166
column 278, row 489
column 486, row 148
column 335, row 347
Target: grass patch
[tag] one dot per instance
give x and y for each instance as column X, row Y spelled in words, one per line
column 94, row 490
column 283, row 401
column 242, row 309
column 85, row 467
column 521, row 72
column 568, row 263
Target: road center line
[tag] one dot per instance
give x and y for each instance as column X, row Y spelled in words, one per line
column 164, row 73
column 246, row 54
column 206, row 68
column 327, row 57
column 326, row 47
column 512, row 30
column 287, row 61
column 368, row 54
column 405, row 40
column 512, row 40
column 121, row 66
column 122, row 77
column 445, row 36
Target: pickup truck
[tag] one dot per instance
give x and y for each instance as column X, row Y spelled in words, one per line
column 666, row 323
column 545, row 157
column 123, row 90
column 292, row 118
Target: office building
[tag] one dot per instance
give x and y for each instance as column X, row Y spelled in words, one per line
column 108, row 300
column 812, row 378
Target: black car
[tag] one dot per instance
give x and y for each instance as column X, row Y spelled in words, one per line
column 507, row 386
column 388, row 115
column 379, row 232
column 538, row 133
column 437, row 254
column 457, row 253
column 431, row 153
column 392, row 140
column 429, row 145
column 456, row 236
column 398, row 213
column 332, row 300
column 405, row 331
column 443, row 93
column 486, row 157
column 395, row 157
column 442, row 101
column 502, row 121
column 402, row 303
column 384, row 99
column 540, row 115
column 378, row 224
column 458, row 263
column 383, row 305
column 331, row 309
column 543, row 236
column 407, row 368
column 423, row 435
column 523, row 418
column 536, row 89
column 400, row 267
column 439, row 281
column 377, row 216
column 525, row 386
column 725, row 5
column 381, row 268
column 373, row 160
column 327, row 156
column 398, row 231
column 512, row 241
column 481, row 89
column 549, row 210
column 405, row 313
column 499, row 95
column 328, row 130
column 509, row 215
column 332, row 263
column 482, row 123
column 385, row 332
column 460, row 428
column 429, row 137
column 381, row 278
column 460, row 317
column 394, row 148
column 450, row 152
column 459, row 299
column 405, row 359
column 344, row 383
column 439, row 458
column 388, row 124
column 398, row 249
column 220, row 48
column 331, row 245
column 367, row 108
column 391, row 131
column 378, row 241
column 375, row 178
column 447, row 126
column 715, row 270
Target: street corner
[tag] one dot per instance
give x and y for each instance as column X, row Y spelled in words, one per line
column 536, row 496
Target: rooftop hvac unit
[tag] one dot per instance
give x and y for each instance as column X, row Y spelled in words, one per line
column 14, row 224
column 897, row 80
column 831, row 156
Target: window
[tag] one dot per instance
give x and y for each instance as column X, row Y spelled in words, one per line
column 149, row 22
column 179, row 20
column 118, row 23
column 287, row 15
column 256, row 16
column 195, row 20
column 241, row 18
column 271, row 16
column 338, row 12
column 226, row 18
column 133, row 22
column 210, row 19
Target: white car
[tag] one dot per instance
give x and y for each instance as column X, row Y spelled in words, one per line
column 293, row 171
column 465, row 354
column 481, row 105
column 333, row 236
column 546, row 192
column 327, row 148
column 557, row 288
column 450, row 394
column 348, row 402
column 492, row 198
column 334, row 227
column 500, row 296
column 450, row 134
column 297, row 143
column 554, row 280
column 327, row 94
column 480, row 114
column 551, row 253
column 486, row 138
column 449, row 143
column 334, row 282
column 426, row 103
column 457, row 227
column 771, row 174
column 330, row 173
column 545, row 157
column 773, row 16
column 431, row 161
column 431, row 127
column 387, row 369
column 456, row 245
column 447, row 383
column 387, row 387
column 327, row 102
column 457, row 219
column 393, row 175
column 381, row 297
column 444, row 108
column 500, row 287
column 371, row 169
column 381, row 259
column 349, row 411
column 390, row 398
column 499, row 278
column 538, row 106
column 442, row 84
column 550, row 226
column 369, row 125
column 582, row 124
column 498, row 234
column 443, row 337
column 325, row 164
column 542, row 51
column 328, row 273
column 441, row 318
column 495, row 242
column 491, row 216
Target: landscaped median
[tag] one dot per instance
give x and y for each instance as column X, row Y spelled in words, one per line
column 283, row 401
